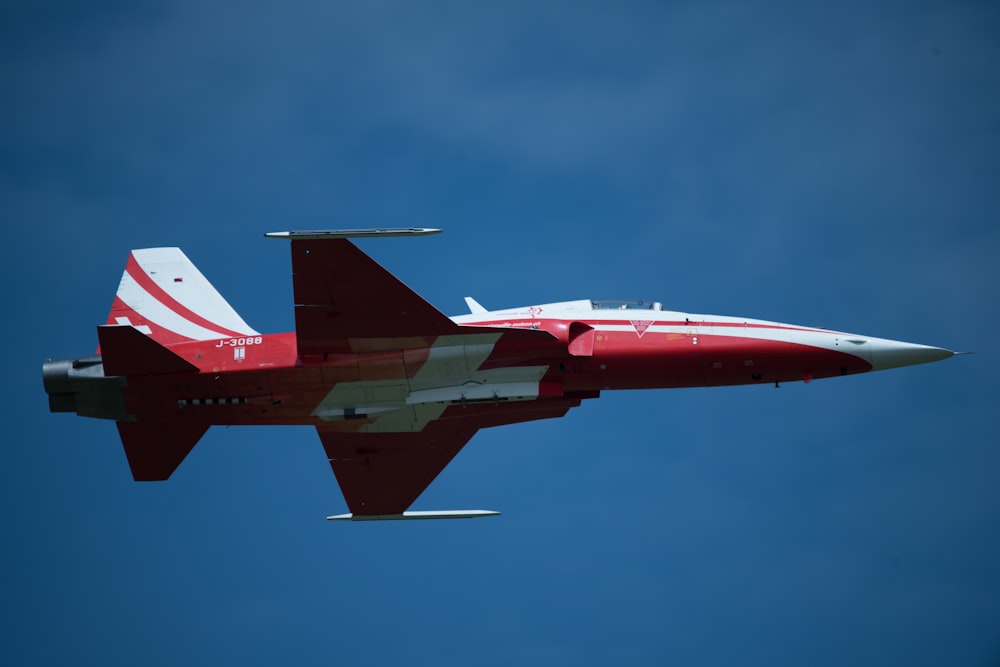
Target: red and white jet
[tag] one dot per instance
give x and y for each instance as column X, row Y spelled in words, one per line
column 394, row 387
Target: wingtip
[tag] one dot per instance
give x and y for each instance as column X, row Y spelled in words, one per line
column 320, row 234
column 416, row 515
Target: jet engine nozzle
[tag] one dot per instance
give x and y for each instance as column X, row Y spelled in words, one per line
column 80, row 386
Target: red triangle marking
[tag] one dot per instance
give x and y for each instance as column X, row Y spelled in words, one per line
column 641, row 326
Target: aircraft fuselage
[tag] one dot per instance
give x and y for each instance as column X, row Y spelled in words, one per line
column 262, row 380
column 393, row 387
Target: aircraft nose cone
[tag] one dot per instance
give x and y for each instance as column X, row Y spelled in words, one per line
column 894, row 353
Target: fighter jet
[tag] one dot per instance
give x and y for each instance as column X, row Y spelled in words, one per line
column 394, row 387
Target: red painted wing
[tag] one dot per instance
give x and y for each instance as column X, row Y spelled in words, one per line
column 383, row 473
column 346, row 302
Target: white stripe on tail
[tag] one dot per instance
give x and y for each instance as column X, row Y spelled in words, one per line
column 165, row 296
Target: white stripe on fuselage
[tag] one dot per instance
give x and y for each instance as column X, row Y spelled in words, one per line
column 673, row 322
column 451, row 374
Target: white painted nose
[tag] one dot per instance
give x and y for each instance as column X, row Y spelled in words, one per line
column 894, row 353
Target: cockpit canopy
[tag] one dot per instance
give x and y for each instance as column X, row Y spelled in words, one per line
column 625, row 304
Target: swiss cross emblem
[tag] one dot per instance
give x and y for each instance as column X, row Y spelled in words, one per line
column 534, row 311
column 640, row 326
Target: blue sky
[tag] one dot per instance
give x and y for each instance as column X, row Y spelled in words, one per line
column 832, row 165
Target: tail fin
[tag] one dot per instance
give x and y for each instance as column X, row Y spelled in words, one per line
column 164, row 295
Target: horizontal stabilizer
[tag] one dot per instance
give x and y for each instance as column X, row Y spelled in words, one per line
column 444, row 514
column 154, row 450
column 127, row 351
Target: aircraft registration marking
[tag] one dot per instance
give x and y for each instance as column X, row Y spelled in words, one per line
column 240, row 342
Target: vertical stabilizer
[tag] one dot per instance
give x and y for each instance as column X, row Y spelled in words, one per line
column 164, row 295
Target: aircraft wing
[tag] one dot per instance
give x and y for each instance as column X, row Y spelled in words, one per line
column 382, row 473
column 346, row 302
column 426, row 391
